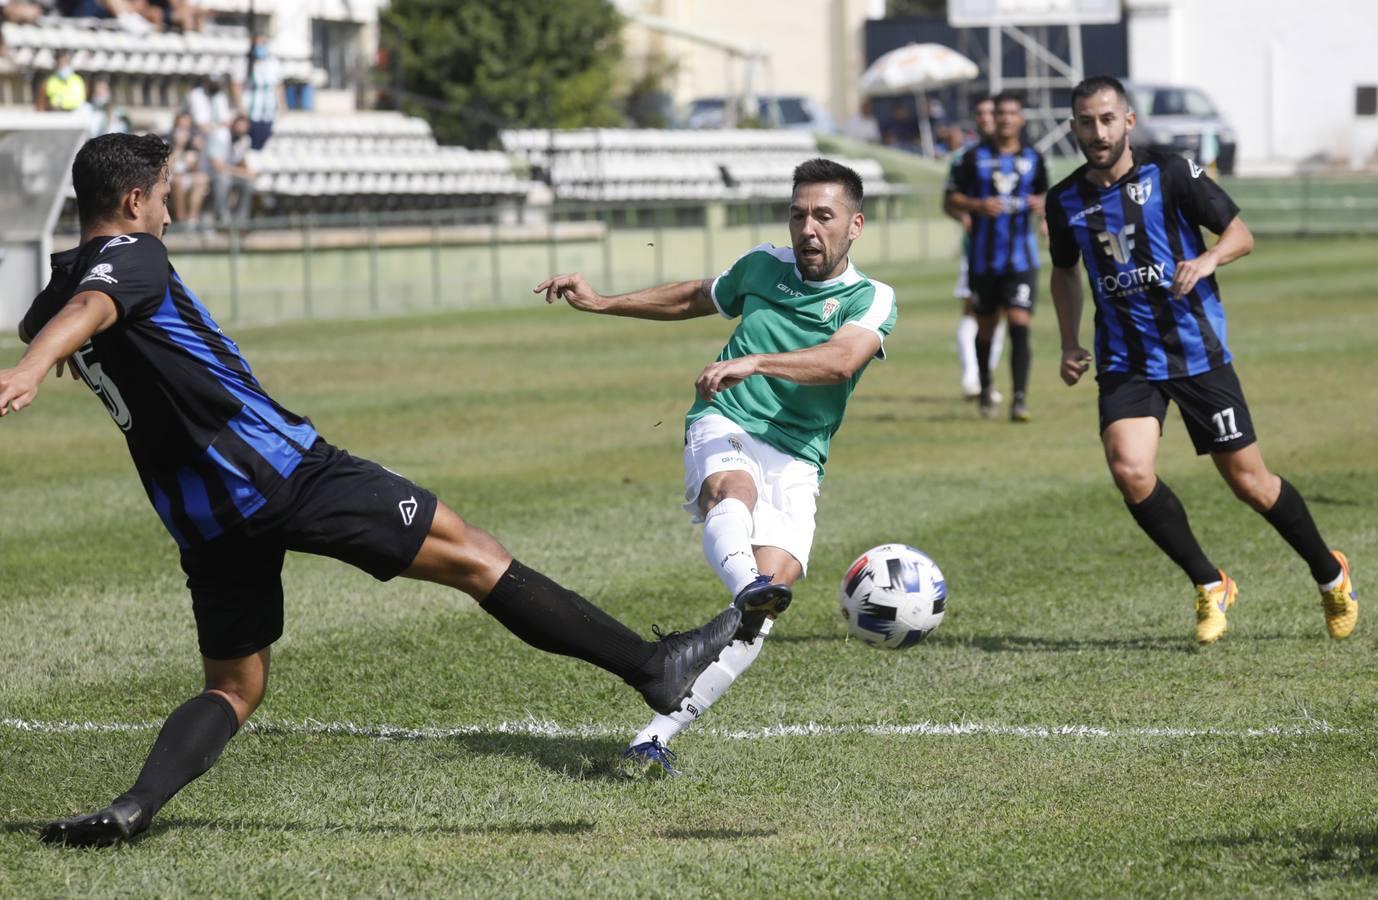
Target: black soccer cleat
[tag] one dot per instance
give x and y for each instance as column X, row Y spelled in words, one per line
column 681, row 657
column 120, row 821
column 757, row 600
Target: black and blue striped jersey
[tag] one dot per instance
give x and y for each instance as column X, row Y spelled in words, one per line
column 1131, row 235
column 1003, row 244
column 209, row 443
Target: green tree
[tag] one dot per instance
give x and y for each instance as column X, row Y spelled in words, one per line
column 472, row 67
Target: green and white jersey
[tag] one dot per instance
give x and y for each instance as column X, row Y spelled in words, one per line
column 780, row 312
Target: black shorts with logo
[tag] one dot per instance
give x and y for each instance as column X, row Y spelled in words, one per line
column 1212, row 405
column 991, row 293
column 334, row 505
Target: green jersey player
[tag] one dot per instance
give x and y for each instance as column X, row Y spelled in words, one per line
column 756, row 438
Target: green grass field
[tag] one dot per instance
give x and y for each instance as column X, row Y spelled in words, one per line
column 1075, row 742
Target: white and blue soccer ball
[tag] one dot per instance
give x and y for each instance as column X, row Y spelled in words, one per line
column 893, row 596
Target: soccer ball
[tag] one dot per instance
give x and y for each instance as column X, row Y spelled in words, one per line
column 893, row 596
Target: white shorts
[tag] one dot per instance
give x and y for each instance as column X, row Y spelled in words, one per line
column 962, row 289
column 786, row 487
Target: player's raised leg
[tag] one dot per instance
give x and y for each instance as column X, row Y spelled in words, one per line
column 650, row 743
column 1274, row 498
column 1131, row 452
column 557, row 620
column 189, row 743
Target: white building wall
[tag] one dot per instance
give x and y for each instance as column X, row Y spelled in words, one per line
column 812, row 47
column 1283, row 72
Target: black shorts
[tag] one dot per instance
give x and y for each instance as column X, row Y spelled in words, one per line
column 991, row 293
column 1212, row 406
column 333, row 505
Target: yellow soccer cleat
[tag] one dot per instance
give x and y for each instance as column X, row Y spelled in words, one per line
column 1210, row 609
column 1341, row 606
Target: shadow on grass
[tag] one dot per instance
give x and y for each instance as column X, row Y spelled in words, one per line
column 1014, row 643
column 1327, row 500
column 805, row 638
column 1315, row 853
column 177, row 823
column 583, row 759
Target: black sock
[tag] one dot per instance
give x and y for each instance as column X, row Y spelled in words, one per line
column 1019, row 359
column 188, row 744
column 1293, row 521
column 1163, row 518
column 983, row 361
column 551, row 618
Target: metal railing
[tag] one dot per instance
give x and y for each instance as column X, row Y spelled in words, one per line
column 361, row 264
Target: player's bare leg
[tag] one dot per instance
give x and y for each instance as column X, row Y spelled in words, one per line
column 189, row 743
column 1131, row 452
column 557, row 620
column 1274, row 498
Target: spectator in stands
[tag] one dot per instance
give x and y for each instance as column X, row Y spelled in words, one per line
column 229, row 160
column 181, row 15
column 258, row 90
column 63, row 89
column 189, row 170
column 209, row 106
column 137, row 16
column 863, row 125
column 901, row 131
column 107, row 118
column 21, row 12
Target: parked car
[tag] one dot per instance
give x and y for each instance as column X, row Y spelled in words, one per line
column 1183, row 120
column 772, row 111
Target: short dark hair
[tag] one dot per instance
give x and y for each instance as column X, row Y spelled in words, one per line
column 825, row 171
column 1089, row 87
column 984, row 98
column 112, row 165
column 1008, row 97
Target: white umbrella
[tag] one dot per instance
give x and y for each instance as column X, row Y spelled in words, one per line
column 917, row 69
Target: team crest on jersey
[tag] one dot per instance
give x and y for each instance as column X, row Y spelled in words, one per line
column 736, row 444
column 1004, row 181
column 1140, row 192
column 829, row 307
column 1023, row 165
column 100, row 272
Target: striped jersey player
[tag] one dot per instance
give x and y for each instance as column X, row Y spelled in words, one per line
column 1134, row 220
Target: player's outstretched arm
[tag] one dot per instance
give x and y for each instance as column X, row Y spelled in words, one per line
column 86, row 314
column 831, row 362
column 677, row 300
column 1067, row 300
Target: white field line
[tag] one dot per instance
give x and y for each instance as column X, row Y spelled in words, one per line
column 534, row 727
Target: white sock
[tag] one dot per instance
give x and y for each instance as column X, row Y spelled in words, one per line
column 966, row 354
column 711, row 685
column 997, row 345
column 727, row 544
column 1339, row 580
column 1212, row 586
